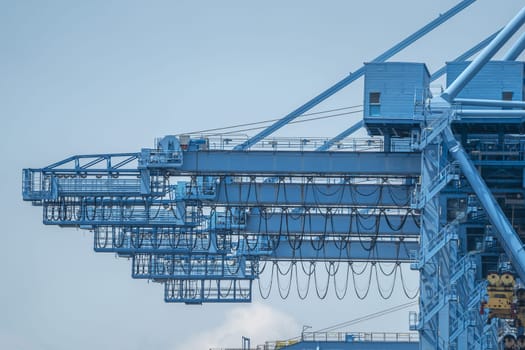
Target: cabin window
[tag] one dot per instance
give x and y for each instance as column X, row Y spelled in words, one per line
column 507, row 96
column 374, row 101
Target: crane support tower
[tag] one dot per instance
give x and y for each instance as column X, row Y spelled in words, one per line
column 443, row 191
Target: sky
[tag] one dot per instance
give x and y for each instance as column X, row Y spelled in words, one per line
column 79, row 77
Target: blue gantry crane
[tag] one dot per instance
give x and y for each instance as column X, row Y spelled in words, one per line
column 443, row 190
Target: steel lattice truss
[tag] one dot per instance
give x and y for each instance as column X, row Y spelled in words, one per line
column 206, row 216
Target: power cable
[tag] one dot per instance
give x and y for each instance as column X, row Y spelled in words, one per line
column 271, row 120
column 293, row 122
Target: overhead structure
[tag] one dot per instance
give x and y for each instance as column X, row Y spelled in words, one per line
column 439, row 187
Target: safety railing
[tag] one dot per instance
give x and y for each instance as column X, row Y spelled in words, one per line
column 409, row 337
column 109, row 186
column 37, row 186
column 306, row 144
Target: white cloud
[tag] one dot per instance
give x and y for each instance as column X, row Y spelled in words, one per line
column 259, row 322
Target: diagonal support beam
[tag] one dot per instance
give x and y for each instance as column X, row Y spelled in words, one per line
column 356, row 75
column 477, row 64
column 464, row 56
column 516, row 49
column 341, row 136
column 506, row 234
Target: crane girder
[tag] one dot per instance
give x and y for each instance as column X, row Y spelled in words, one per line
column 290, row 163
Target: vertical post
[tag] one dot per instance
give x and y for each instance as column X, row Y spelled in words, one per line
column 246, row 343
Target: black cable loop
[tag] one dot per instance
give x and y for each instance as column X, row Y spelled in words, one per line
column 103, row 209
column 362, row 271
column 186, row 270
column 174, row 238
column 388, row 294
column 321, row 295
column 302, row 297
column 401, row 223
column 270, row 284
column 398, row 201
column 405, row 288
column 285, row 272
column 149, row 206
column 70, row 208
column 373, row 240
column 393, row 269
column 374, row 191
column 135, row 238
column 117, row 238
column 77, row 209
column 97, row 237
column 232, row 282
column 289, row 287
column 236, row 270
column 417, row 219
column 362, row 296
column 341, row 295
column 321, row 245
column 94, row 210
column 131, row 209
column 371, row 211
column 155, row 242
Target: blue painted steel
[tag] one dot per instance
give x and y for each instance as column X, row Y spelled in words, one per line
column 386, row 251
column 341, row 136
column 492, row 80
column 400, row 85
column 491, row 113
column 516, row 49
column 194, row 267
column 464, row 56
column 209, row 291
column 485, row 55
column 488, row 103
column 291, row 163
column 436, row 75
column 356, row 75
column 365, row 224
column 507, row 235
column 256, row 163
column 357, row 345
column 312, row 194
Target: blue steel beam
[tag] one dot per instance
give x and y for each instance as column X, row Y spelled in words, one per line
column 209, row 291
column 487, row 103
column 341, row 136
column 298, row 163
column 491, row 113
column 327, row 250
column 89, row 161
column 464, row 56
column 356, row 75
column 117, row 192
column 436, row 75
column 507, row 236
column 488, row 52
column 516, row 49
column 305, row 224
column 148, row 266
column 392, row 251
column 312, row 194
column 282, row 162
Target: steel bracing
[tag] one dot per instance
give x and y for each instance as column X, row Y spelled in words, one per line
column 442, row 192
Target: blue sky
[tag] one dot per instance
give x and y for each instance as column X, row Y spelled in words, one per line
column 109, row 76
